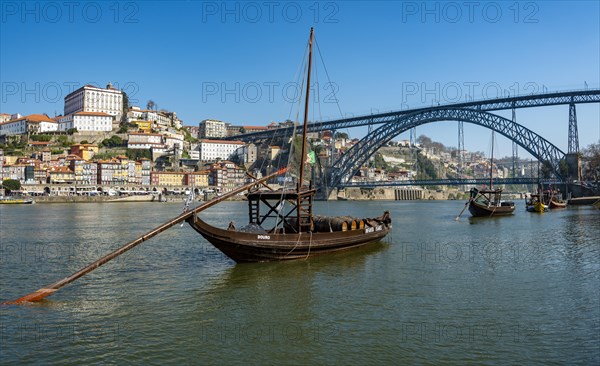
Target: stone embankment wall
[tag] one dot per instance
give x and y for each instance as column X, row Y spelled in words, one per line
column 398, row 194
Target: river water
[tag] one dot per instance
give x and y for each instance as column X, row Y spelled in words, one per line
column 511, row 290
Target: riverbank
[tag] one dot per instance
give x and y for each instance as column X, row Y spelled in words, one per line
column 119, row 199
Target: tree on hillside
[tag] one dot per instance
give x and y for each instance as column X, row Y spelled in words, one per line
column 591, row 162
column 151, row 105
column 125, row 107
column 429, row 143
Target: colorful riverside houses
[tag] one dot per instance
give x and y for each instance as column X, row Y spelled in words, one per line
column 84, row 151
column 113, row 171
column 146, row 167
column 61, row 175
column 173, row 179
column 226, row 176
column 198, row 179
column 85, row 172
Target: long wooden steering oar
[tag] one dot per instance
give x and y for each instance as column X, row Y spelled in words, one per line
column 463, row 210
column 50, row 289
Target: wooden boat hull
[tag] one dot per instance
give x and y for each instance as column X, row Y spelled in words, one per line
column 537, row 207
column 555, row 204
column 253, row 247
column 480, row 210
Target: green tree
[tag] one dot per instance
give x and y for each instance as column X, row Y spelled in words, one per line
column 125, row 106
column 71, row 131
column 591, row 162
column 426, row 168
column 113, row 141
column 44, row 138
column 137, row 154
column 63, row 141
column 563, row 168
column 11, row 184
column 378, row 161
column 546, row 169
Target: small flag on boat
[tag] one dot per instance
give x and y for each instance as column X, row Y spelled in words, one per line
column 310, row 158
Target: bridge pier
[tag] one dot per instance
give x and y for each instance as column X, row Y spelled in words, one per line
column 573, row 134
column 574, row 163
column 408, row 194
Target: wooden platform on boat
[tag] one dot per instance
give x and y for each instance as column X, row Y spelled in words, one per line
column 288, row 194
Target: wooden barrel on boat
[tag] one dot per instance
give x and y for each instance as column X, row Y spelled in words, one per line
column 325, row 224
column 351, row 221
column 360, row 224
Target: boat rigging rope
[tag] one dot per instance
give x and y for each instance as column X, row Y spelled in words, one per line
column 295, row 246
column 309, row 244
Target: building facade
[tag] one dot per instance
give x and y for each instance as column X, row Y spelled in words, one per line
column 212, row 150
column 32, row 124
column 90, row 98
column 138, row 140
column 86, row 122
column 212, row 128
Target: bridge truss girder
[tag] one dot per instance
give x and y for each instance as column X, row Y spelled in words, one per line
column 349, row 163
column 526, row 101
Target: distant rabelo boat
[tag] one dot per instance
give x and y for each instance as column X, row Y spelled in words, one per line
column 294, row 232
column 553, row 199
column 535, row 204
column 488, row 202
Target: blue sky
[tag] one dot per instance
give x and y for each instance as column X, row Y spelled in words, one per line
column 238, row 61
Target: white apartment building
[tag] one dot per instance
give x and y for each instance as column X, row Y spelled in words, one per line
column 212, row 128
column 90, row 98
column 211, row 150
column 4, row 117
column 34, row 123
column 86, row 121
column 145, row 141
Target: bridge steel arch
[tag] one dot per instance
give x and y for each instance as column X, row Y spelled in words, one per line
column 349, row 163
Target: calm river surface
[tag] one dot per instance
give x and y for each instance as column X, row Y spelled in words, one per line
column 514, row 290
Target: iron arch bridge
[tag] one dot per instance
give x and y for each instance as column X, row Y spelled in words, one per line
column 349, row 163
column 525, row 101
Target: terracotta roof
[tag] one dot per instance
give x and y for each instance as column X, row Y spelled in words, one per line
column 35, row 118
column 61, row 169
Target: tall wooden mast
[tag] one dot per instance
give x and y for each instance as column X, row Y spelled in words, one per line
column 304, row 198
column 304, row 128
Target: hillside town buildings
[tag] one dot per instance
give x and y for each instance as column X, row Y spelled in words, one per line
column 86, row 122
column 90, row 98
